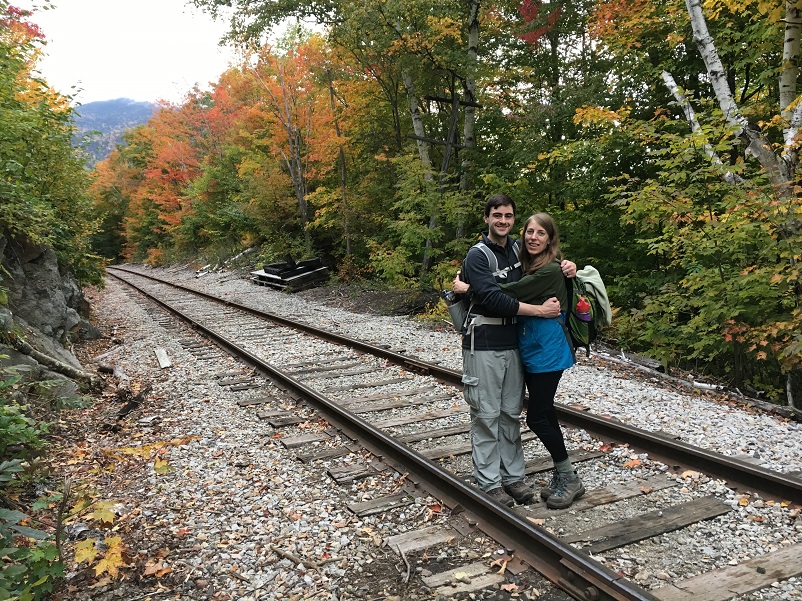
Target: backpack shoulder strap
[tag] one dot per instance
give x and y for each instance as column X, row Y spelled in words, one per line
column 491, row 257
column 493, row 261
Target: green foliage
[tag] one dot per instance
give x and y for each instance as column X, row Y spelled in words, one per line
column 392, row 265
column 34, row 567
column 18, row 432
column 726, row 299
column 43, row 188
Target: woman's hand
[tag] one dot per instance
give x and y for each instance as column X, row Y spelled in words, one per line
column 568, row 268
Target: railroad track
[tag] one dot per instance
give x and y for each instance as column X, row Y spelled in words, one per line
column 355, row 386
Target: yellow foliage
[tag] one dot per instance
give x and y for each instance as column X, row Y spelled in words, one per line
column 113, row 559
column 85, row 550
column 595, row 115
column 103, row 513
column 160, row 465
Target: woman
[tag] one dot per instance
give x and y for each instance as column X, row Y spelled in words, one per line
column 544, row 350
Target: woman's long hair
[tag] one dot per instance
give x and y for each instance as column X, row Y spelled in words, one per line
column 530, row 262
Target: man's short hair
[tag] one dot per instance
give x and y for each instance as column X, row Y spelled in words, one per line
column 498, row 200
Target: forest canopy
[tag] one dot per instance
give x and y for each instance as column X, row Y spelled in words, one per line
column 663, row 137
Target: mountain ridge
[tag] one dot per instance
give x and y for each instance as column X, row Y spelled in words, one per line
column 100, row 125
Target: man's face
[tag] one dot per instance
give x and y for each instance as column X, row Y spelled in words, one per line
column 499, row 223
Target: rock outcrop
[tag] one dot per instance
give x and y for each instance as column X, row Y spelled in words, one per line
column 43, row 315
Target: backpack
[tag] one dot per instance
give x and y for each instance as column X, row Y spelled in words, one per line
column 460, row 310
column 589, row 309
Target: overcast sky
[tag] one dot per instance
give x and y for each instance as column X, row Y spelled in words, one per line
column 140, row 49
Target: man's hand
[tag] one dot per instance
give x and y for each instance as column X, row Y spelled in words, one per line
column 568, row 268
column 550, row 308
column 459, row 286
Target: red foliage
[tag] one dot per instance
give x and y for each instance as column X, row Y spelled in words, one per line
column 530, row 11
column 15, row 18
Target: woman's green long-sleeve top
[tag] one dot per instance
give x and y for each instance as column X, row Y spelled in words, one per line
column 542, row 341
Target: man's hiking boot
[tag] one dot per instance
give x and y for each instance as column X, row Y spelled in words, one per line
column 499, row 496
column 569, row 488
column 547, row 491
column 520, row 492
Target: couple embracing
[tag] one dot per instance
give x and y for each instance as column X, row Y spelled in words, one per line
column 518, row 338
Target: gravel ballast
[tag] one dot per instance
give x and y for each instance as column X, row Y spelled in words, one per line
column 234, row 518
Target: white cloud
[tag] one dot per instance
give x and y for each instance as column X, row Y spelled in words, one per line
column 142, row 49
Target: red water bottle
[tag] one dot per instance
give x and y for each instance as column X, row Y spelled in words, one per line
column 583, row 309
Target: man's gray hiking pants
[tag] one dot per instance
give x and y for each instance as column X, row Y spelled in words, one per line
column 494, row 391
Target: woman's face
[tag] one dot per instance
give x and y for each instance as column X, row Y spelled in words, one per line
column 535, row 238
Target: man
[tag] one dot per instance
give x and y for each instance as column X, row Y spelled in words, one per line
column 493, row 376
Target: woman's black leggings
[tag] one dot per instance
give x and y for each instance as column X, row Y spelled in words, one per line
column 541, row 416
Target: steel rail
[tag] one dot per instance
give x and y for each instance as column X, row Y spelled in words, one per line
column 739, row 474
column 567, row 567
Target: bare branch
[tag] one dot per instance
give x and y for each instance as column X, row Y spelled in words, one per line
column 690, row 116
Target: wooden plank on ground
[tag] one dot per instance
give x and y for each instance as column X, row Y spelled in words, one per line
column 386, row 395
column 262, row 400
column 348, row 473
column 333, row 375
column 367, row 384
column 460, row 448
column 402, row 402
column 380, row 505
column 650, row 524
column 473, row 585
column 320, row 361
column 233, row 381
column 420, row 417
column 458, row 574
column 193, row 345
column 241, row 387
column 286, row 420
column 440, row 433
column 162, row 358
column 322, row 368
column 605, row 496
column 328, row 453
column 421, row 539
column 745, row 578
column 290, row 442
column 267, row 414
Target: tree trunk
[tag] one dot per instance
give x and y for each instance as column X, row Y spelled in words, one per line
column 343, row 189
column 469, row 122
column 779, row 172
column 425, row 159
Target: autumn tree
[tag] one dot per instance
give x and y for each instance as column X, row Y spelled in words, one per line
column 43, row 192
column 721, row 211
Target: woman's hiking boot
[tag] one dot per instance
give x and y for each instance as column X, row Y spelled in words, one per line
column 519, row 491
column 569, row 488
column 547, row 491
column 501, row 497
